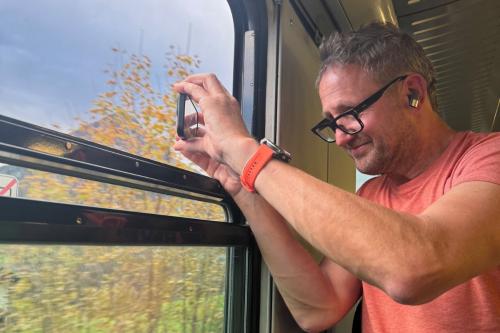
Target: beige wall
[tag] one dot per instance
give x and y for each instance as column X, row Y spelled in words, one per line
column 299, row 109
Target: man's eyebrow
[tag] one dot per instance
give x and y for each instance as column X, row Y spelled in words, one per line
column 344, row 107
column 339, row 110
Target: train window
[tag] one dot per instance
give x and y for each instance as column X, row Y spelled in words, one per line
column 102, row 71
column 40, row 185
column 111, row 289
column 87, row 123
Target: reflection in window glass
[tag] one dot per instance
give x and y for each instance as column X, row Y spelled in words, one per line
column 102, row 70
column 111, row 289
column 40, row 185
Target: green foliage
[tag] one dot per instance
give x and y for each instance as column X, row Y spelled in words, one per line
column 112, row 289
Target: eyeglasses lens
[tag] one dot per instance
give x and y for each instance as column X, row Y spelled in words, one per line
column 327, row 134
column 349, row 124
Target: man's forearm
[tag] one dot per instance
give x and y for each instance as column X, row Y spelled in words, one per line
column 356, row 234
column 305, row 288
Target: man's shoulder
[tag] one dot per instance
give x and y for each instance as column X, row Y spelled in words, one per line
column 473, row 139
column 479, row 158
column 371, row 185
column 472, row 143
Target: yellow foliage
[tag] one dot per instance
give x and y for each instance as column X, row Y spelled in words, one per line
column 113, row 289
column 133, row 117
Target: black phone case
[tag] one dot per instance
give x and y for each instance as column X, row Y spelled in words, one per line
column 181, row 104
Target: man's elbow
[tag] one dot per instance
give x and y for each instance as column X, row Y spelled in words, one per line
column 418, row 281
column 318, row 320
column 311, row 325
column 413, row 291
column 403, row 295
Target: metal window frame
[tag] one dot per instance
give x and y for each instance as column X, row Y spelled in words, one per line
column 20, row 142
column 249, row 87
column 31, row 221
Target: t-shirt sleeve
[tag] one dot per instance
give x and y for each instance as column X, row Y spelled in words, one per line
column 480, row 163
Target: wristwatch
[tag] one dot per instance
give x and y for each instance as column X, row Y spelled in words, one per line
column 267, row 151
column 278, row 152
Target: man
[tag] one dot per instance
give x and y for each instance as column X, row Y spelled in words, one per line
column 421, row 242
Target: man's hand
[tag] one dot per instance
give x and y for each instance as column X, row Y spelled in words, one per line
column 227, row 177
column 223, row 137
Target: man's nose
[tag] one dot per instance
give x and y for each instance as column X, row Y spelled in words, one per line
column 342, row 139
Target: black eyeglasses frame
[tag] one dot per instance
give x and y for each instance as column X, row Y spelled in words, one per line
column 355, row 111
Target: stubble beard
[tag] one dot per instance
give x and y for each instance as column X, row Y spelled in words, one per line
column 376, row 160
column 388, row 159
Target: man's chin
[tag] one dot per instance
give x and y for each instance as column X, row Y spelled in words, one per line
column 364, row 166
column 361, row 151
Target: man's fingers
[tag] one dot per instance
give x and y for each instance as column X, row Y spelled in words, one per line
column 200, row 131
column 193, row 119
column 210, row 82
column 200, row 159
column 195, row 91
column 193, row 145
column 194, row 132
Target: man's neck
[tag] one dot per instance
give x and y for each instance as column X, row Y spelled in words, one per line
column 425, row 150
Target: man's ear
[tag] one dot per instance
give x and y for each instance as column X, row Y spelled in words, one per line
column 415, row 90
column 413, row 100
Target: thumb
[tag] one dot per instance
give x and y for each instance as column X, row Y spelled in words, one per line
column 190, row 146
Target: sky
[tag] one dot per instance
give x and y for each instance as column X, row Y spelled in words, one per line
column 53, row 53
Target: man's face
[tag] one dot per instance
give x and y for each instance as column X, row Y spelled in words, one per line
column 387, row 130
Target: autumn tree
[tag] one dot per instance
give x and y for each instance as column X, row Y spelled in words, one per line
column 115, row 289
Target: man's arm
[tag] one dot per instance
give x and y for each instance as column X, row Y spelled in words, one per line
column 317, row 295
column 412, row 258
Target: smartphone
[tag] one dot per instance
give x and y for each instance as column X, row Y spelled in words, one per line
column 187, row 117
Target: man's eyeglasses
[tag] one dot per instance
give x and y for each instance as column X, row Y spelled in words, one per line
column 349, row 121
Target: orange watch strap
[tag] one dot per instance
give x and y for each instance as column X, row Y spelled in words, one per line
column 254, row 166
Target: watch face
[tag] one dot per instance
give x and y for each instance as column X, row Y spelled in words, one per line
column 279, row 153
column 270, row 144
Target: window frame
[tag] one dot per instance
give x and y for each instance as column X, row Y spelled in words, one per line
column 250, row 19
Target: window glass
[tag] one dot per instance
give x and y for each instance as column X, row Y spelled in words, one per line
column 111, row 289
column 40, row 185
column 362, row 178
column 102, row 69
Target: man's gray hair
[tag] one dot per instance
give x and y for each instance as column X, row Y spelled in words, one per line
column 381, row 49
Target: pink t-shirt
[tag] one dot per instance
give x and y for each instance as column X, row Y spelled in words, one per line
column 473, row 306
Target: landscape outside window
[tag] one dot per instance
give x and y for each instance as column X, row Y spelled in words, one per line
column 102, row 71
column 111, row 289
